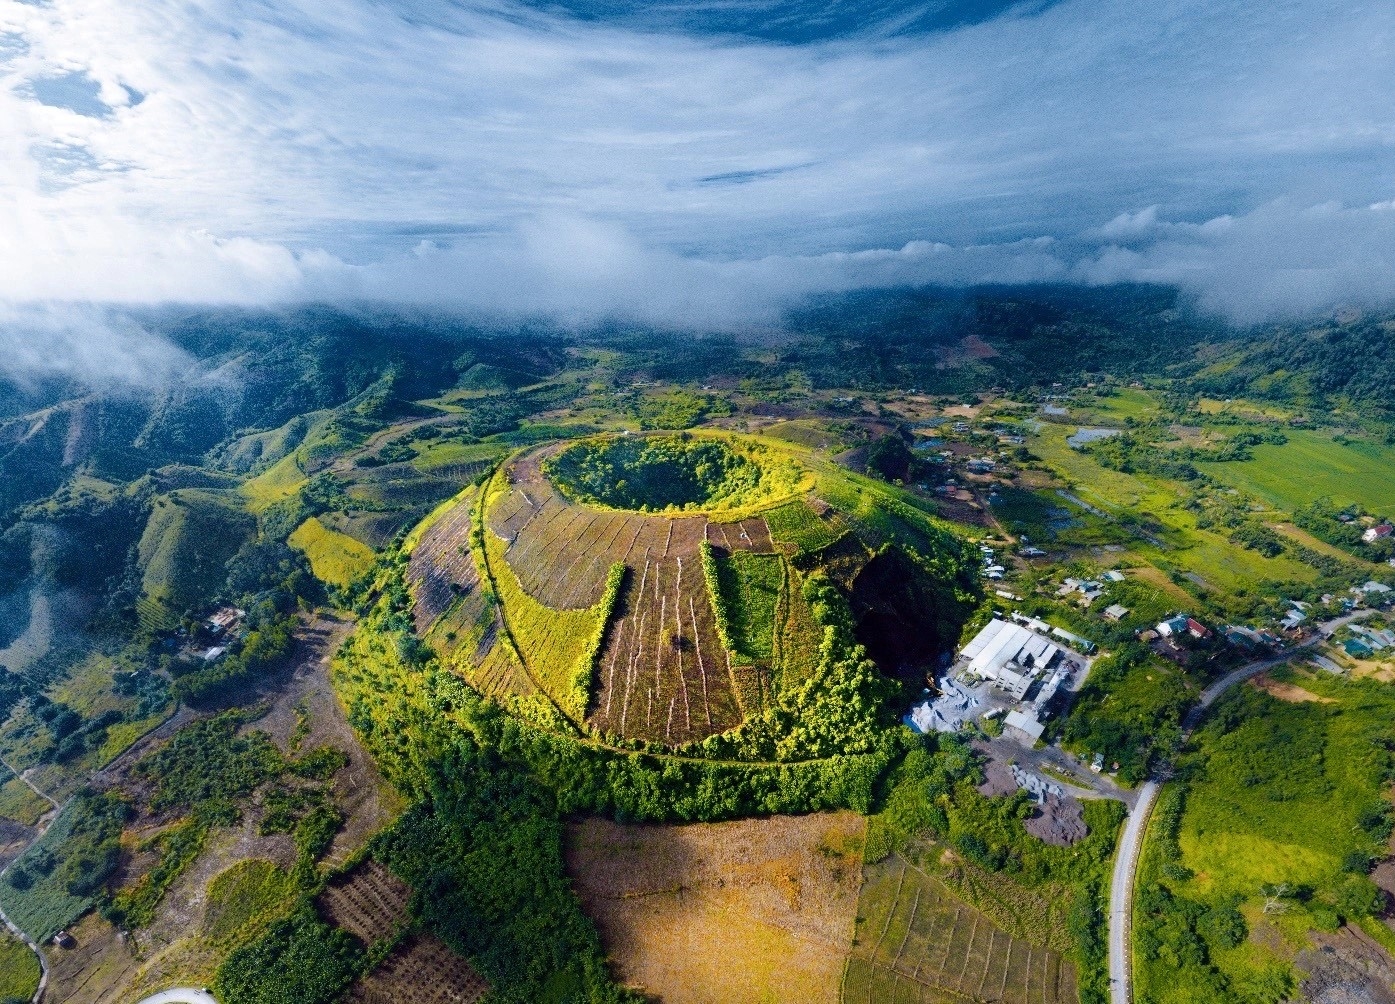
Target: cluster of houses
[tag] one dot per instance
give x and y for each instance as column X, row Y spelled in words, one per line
column 1089, row 589
column 1374, row 594
column 991, row 568
column 1368, row 641
column 224, row 625
column 1371, row 594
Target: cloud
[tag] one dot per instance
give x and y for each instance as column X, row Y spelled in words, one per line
column 1281, row 259
column 98, row 347
column 494, row 156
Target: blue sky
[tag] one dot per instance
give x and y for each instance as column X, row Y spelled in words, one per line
column 693, row 163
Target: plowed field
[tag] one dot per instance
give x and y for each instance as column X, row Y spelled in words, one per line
column 369, row 903
column 423, row 971
column 917, row 943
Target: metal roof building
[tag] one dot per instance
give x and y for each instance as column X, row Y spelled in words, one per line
column 1001, row 643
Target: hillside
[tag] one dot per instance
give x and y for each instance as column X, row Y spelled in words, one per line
column 669, row 609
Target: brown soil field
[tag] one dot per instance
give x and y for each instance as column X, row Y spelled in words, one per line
column 370, row 902
column 422, row 971
column 663, row 674
column 724, row 913
column 441, row 567
column 451, row 611
column 1346, row 966
column 916, row 942
column 1290, row 692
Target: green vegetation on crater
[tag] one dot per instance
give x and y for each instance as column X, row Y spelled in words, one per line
column 748, row 592
column 670, row 474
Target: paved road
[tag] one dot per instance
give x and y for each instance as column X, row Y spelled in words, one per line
column 1131, row 845
column 181, row 995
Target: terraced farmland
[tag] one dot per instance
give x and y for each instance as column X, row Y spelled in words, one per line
column 454, row 612
column 663, row 673
column 509, row 586
column 916, row 942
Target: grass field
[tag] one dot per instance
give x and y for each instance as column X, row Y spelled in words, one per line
column 917, row 942
column 46, row 906
column 436, row 454
column 878, row 511
column 550, row 642
column 797, row 657
column 795, row 523
column 1220, row 563
column 335, row 558
column 245, row 898
column 184, row 551
column 278, row 482
column 1312, row 465
column 19, row 803
column 748, row 912
column 89, row 689
column 1126, row 402
column 19, row 969
column 1240, row 406
column 750, row 586
column 1290, row 793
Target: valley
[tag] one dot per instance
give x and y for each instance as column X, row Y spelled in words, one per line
column 590, row 671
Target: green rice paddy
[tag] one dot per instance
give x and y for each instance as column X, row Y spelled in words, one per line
column 1313, row 465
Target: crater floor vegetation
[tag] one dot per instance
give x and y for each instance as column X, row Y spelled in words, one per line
column 671, row 473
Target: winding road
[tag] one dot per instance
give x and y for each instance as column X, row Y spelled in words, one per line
column 1121, row 886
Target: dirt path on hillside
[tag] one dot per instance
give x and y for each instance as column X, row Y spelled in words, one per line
column 109, row 968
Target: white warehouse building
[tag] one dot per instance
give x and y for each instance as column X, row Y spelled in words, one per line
column 1002, row 642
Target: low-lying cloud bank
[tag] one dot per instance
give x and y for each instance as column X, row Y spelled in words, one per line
column 1279, row 260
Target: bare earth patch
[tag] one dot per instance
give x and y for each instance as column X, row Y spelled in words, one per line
column 1290, row 692
column 724, row 913
column 359, row 790
column 1058, row 821
column 1347, row 967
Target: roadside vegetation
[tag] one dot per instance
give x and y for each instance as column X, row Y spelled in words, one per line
column 19, row 971
column 1277, row 816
